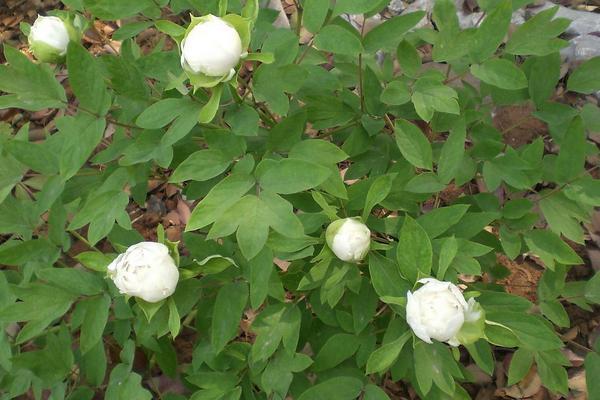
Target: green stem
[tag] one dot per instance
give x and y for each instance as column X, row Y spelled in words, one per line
column 84, row 240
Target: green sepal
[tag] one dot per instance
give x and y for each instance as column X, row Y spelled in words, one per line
column 208, row 112
column 473, row 328
column 46, row 53
column 149, row 309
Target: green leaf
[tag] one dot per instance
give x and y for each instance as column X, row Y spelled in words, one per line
column 383, row 358
column 439, row 220
column 390, row 33
column 373, row 392
column 289, row 175
column 356, row 6
column 115, row 9
column 500, row 73
column 448, row 252
column 229, row 305
column 38, row 157
column 94, row 321
column 543, row 76
column 433, row 363
column 338, row 40
column 38, row 302
column 128, row 31
column 31, row 86
column 276, row 323
column 520, row 364
column 174, row 318
column 586, row 78
column 100, row 212
column 430, row 95
column 491, row 31
column 318, row 151
column 94, row 260
column 170, row 28
column 378, row 191
column 532, row 332
column 261, row 269
column 81, row 135
column 571, row 157
column 563, row 216
column 336, row 349
column 409, row 59
column 86, row 79
column 396, row 93
column 555, row 312
column 592, row 289
column 481, row 352
column 315, row 13
column 15, row 253
column 592, row 371
column 550, row 248
column 538, row 36
column 338, row 388
column 414, row 252
column 452, row 153
column 413, row 144
column 161, row 113
column 288, row 132
column 221, row 197
column 386, row 277
column 74, row 280
column 554, row 376
column 364, row 306
column 201, row 166
column 243, row 120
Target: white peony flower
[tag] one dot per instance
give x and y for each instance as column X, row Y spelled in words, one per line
column 349, row 239
column 213, row 48
column 145, row 270
column 438, row 310
column 49, row 38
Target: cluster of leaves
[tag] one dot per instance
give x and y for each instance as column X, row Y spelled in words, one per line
column 266, row 189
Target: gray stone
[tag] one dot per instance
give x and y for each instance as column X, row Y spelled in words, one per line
column 396, row 7
column 582, row 48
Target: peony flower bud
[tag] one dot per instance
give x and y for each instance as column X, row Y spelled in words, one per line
column 49, row 38
column 349, row 239
column 145, row 270
column 438, row 310
column 212, row 47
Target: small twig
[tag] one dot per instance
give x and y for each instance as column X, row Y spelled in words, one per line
column 388, row 122
column 480, row 19
column 307, row 48
column 561, row 187
column 338, row 129
column 84, row 240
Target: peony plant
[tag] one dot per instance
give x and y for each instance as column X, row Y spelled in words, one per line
column 238, row 202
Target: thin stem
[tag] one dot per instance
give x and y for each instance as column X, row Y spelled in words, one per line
column 104, row 39
column 106, row 117
column 307, row 48
column 84, row 240
column 299, row 13
column 336, row 130
column 360, row 83
column 561, row 187
column 388, row 122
